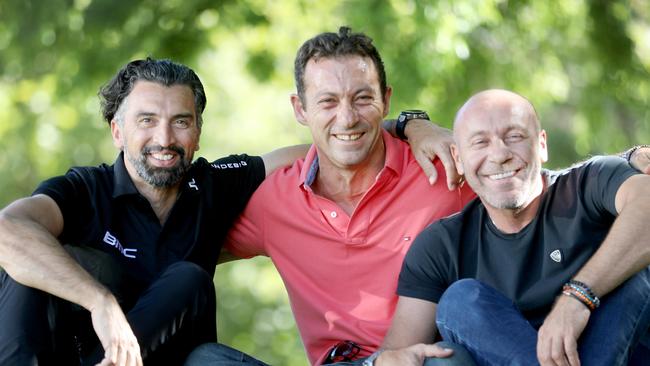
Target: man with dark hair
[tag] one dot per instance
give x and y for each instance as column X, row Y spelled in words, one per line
column 146, row 232
column 546, row 267
column 348, row 210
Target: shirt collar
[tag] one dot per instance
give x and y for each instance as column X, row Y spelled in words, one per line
column 394, row 159
column 123, row 185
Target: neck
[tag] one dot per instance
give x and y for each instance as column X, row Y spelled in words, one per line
column 347, row 186
column 512, row 221
column 161, row 199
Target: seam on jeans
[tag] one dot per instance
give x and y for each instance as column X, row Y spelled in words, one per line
column 625, row 355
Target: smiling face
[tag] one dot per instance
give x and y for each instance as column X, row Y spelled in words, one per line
column 344, row 108
column 500, row 149
column 157, row 129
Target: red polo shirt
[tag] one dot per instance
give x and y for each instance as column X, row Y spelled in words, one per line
column 341, row 271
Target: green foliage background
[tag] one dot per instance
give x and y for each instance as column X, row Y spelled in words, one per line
column 584, row 64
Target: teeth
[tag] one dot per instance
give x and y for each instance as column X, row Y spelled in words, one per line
column 352, row 137
column 162, row 156
column 502, row 175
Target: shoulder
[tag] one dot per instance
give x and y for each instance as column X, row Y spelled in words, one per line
column 447, row 232
column 600, row 170
column 80, row 177
column 230, row 163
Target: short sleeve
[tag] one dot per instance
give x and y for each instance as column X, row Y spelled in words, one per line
column 71, row 195
column 246, row 237
column 603, row 176
column 243, row 175
column 427, row 266
column 239, row 175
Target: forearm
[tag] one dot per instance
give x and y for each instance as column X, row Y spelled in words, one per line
column 34, row 258
column 625, row 251
column 413, row 323
column 284, row 156
column 413, row 128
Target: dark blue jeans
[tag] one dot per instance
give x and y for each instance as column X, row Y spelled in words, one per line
column 173, row 315
column 495, row 333
column 219, row 354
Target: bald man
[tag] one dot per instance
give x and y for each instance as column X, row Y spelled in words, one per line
column 546, row 267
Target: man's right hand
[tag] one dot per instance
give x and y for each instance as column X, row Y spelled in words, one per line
column 413, row 355
column 640, row 159
column 114, row 332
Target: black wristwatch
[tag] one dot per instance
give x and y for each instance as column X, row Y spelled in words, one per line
column 404, row 117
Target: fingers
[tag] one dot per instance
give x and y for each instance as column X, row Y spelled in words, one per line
column 571, row 349
column 125, row 355
column 426, row 163
column 450, row 168
column 111, row 354
column 434, row 350
column 425, row 159
column 558, row 351
column 558, row 354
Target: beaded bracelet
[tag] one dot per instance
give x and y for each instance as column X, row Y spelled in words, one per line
column 581, row 292
column 570, row 291
column 583, row 287
column 582, row 299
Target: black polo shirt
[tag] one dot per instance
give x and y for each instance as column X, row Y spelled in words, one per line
column 102, row 209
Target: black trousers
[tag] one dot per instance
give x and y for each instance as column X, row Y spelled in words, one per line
column 170, row 317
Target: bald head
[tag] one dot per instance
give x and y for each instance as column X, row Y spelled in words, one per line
column 495, row 105
column 499, row 148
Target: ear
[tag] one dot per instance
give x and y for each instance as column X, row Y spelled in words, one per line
column 543, row 149
column 116, row 132
column 456, row 155
column 389, row 93
column 298, row 109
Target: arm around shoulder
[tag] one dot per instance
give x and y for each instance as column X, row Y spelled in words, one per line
column 284, row 156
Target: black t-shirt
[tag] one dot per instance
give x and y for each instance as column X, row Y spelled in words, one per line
column 575, row 214
column 102, row 209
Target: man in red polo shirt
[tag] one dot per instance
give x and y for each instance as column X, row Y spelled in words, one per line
column 338, row 223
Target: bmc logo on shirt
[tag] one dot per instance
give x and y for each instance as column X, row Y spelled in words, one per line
column 111, row 240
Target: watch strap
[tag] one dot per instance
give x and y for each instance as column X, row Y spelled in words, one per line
column 404, row 117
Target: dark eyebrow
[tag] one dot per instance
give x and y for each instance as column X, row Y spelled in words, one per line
column 176, row 116
column 145, row 114
column 364, row 89
column 183, row 115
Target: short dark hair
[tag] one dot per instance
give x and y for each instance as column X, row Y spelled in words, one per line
column 328, row 44
column 165, row 72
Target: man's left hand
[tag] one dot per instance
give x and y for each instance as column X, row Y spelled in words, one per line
column 557, row 339
column 427, row 141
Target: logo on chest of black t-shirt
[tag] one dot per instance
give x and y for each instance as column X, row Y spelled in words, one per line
column 111, row 240
column 556, row 256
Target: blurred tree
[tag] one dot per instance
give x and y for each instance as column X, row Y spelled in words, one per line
column 583, row 63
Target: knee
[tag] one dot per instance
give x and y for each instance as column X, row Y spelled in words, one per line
column 211, row 353
column 460, row 298
column 188, row 273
